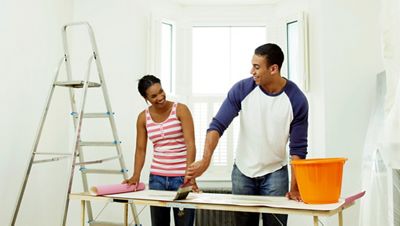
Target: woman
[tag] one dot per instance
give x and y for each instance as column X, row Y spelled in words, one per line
column 170, row 127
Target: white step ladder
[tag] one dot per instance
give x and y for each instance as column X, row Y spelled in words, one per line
column 78, row 114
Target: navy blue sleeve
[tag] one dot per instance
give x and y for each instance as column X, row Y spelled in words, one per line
column 231, row 106
column 298, row 141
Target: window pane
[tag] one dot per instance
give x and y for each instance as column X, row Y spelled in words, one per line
column 210, row 59
column 293, row 52
column 244, row 41
column 167, row 56
column 236, row 129
column 201, row 120
column 220, row 157
column 222, row 56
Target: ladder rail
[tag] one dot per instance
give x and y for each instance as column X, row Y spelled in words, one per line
column 74, row 108
column 111, row 119
column 36, row 143
column 81, row 155
column 106, row 99
column 76, row 148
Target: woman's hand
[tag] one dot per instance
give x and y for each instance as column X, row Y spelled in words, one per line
column 134, row 180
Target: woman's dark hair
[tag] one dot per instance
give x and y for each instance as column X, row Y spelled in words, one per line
column 145, row 82
column 272, row 53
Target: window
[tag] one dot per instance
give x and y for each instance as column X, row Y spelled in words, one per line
column 297, row 51
column 167, row 70
column 293, row 51
column 221, row 56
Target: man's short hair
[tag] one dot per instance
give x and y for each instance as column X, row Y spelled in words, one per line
column 272, row 53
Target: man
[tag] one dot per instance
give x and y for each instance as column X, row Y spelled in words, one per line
column 272, row 111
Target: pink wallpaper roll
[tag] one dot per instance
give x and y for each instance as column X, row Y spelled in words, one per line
column 115, row 189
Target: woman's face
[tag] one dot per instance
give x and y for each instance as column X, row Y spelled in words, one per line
column 156, row 95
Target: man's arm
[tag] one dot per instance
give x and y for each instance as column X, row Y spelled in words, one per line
column 294, row 189
column 197, row 168
column 298, row 139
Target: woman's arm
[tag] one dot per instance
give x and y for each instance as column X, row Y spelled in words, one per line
column 140, row 152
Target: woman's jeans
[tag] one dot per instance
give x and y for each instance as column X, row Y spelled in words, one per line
column 160, row 216
column 272, row 184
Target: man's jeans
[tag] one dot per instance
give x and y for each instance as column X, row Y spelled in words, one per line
column 160, row 216
column 272, row 184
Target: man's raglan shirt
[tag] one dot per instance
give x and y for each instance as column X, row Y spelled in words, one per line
column 267, row 122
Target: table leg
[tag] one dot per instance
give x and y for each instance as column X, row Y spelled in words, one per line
column 340, row 218
column 83, row 204
column 315, row 220
column 126, row 214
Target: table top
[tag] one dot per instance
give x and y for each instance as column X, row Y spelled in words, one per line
column 227, row 202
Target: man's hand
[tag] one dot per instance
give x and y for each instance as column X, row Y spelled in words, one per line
column 196, row 169
column 192, row 182
column 294, row 195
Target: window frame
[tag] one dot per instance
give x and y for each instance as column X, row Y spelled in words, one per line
column 303, row 60
column 154, row 58
column 172, row 55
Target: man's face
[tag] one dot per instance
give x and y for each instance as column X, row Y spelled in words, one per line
column 262, row 73
column 259, row 69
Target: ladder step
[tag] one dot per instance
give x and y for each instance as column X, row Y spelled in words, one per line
column 93, row 115
column 50, row 159
column 97, row 161
column 101, row 171
column 52, row 153
column 97, row 115
column 104, row 223
column 98, row 143
column 76, row 84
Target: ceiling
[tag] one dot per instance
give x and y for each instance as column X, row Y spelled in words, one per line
column 225, row 2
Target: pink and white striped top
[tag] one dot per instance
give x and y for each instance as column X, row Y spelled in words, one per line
column 169, row 154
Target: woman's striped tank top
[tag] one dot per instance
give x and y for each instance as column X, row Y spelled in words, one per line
column 169, row 154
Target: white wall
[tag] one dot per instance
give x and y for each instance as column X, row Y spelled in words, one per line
column 30, row 49
column 352, row 58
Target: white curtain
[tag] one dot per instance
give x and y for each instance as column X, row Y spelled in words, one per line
column 391, row 56
column 381, row 157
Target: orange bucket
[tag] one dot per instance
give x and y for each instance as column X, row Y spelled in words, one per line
column 319, row 180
